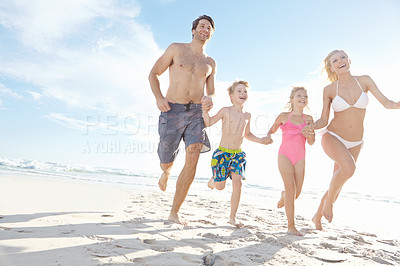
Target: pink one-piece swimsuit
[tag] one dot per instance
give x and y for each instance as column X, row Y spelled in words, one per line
column 293, row 142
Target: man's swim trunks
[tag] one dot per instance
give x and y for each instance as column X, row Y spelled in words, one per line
column 182, row 121
column 225, row 162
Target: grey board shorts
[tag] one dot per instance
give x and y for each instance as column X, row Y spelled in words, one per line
column 183, row 121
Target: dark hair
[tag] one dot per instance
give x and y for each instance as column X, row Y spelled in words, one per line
column 196, row 21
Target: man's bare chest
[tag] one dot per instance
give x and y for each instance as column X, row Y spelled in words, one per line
column 195, row 64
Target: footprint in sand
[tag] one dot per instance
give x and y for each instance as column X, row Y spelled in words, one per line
column 99, row 238
column 210, row 235
column 154, row 245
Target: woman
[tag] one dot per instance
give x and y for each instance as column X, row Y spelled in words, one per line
column 343, row 138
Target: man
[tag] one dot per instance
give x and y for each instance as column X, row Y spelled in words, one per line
column 190, row 72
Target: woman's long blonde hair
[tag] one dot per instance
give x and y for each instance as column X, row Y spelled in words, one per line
column 331, row 75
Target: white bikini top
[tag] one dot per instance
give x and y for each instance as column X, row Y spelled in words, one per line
column 339, row 104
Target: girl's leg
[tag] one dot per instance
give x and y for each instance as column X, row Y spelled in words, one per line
column 299, row 170
column 235, row 198
column 288, row 176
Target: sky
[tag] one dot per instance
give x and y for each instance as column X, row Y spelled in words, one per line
column 74, row 78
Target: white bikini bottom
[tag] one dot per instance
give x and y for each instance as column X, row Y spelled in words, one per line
column 346, row 143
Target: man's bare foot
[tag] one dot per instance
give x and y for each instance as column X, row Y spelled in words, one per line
column 234, row 223
column 327, row 211
column 294, row 231
column 281, row 202
column 174, row 217
column 317, row 222
column 162, row 182
column 211, row 183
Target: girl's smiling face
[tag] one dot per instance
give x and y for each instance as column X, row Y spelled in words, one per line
column 300, row 99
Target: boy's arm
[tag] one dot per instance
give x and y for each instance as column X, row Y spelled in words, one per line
column 209, row 121
column 250, row 136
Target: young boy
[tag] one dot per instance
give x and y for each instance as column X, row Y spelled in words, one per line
column 229, row 160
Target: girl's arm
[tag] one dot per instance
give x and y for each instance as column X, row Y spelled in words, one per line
column 209, row 121
column 323, row 120
column 278, row 121
column 371, row 86
column 309, row 132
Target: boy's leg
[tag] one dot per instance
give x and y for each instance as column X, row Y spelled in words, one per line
column 235, row 198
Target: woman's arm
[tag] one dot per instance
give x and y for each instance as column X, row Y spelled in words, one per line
column 327, row 100
column 371, row 86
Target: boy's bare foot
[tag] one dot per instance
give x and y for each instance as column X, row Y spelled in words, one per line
column 294, row 231
column 234, row 223
column 174, row 217
column 327, row 211
column 162, row 182
column 211, row 183
column 281, row 202
column 317, row 222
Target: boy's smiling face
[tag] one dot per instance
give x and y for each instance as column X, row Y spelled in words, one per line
column 239, row 96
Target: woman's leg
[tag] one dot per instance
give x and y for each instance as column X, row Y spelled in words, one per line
column 344, row 168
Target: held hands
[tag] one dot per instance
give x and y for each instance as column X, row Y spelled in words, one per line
column 267, row 140
column 308, row 130
column 206, row 103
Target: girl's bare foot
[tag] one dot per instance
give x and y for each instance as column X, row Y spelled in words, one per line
column 233, row 222
column 281, row 202
column 174, row 217
column 317, row 222
column 294, row 231
column 327, row 211
column 211, row 183
column 162, row 182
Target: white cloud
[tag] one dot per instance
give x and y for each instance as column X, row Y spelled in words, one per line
column 7, row 92
column 86, row 54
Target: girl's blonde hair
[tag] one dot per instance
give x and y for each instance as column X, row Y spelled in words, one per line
column 289, row 104
column 231, row 89
column 331, row 75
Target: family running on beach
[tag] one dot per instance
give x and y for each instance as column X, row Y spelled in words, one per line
column 184, row 115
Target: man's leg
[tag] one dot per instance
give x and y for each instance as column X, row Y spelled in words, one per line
column 184, row 181
column 162, row 182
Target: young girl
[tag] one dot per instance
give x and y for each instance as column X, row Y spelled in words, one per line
column 291, row 157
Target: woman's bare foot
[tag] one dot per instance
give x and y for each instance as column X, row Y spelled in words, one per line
column 174, row 217
column 233, row 222
column 317, row 222
column 162, row 182
column 327, row 211
column 294, row 231
column 281, row 202
column 211, row 183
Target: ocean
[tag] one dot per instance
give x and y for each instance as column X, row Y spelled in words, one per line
column 365, row 213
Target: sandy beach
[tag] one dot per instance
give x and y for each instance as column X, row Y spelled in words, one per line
column 55, row 221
